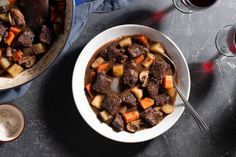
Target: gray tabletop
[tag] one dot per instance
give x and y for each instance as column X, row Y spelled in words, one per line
column 55, row 128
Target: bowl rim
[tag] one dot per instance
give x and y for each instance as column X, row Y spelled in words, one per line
column 98, row 36
column 56, row 57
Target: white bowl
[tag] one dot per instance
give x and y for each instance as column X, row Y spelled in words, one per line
column 78, row 83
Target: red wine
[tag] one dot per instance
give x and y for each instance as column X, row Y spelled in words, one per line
column 202, row 3
column 231, row 39
column 232, row 44
column 235, row 38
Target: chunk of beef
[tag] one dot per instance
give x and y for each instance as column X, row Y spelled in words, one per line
column 102, row 83
column 16, row 18
column 46, row 35
column 130, row 65
column 152, row 89
column 162, row 99
column 151, row 116
column 114, row 54
column 159, row 68
column 118, row 122
column 128, row 98
column 154, row 78
column 26, row 38
column 129, row 78
column 36, row 12
column 135, row 50
column 112, row 103
column 3, row 31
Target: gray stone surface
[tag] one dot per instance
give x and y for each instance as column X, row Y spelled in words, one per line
column 55, row 128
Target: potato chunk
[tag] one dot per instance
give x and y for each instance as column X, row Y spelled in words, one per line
column 148, row 60
column 137, row 92
column 105, row 115
column 157, row 48
column 118, row 70
column 123, row 109
column 171, row 92
column 157, row 108
column 97, row 101
column 125, row 42
column 168, row 82
column 4, row 63
column 4, row 17
column 97, row 62
column 39, row 48
column 167, row 108
column 14, row 70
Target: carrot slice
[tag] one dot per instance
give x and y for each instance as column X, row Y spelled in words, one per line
column 139, row 59
column 142, row 39
column 11, row 1
column 103, row 67
column 17, row 55
column 168, row 82
column 9, row 38
column 15, row 30
column 131, row 116
column 88, row 88
column 146, row 103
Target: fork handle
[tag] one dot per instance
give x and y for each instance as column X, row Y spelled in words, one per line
column 200, row 122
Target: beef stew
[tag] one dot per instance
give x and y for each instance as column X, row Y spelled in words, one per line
column 129, row 85
column 28, row 28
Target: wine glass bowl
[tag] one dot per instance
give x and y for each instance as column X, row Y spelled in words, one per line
column 190, row 6
column 226, row 41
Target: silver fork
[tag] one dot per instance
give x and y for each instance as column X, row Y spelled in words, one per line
column 200, row 122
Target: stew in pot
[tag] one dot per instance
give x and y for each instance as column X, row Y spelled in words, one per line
column 27, row 30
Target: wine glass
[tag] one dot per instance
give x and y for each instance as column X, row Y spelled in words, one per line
column 190, row 6
column 226, row 41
